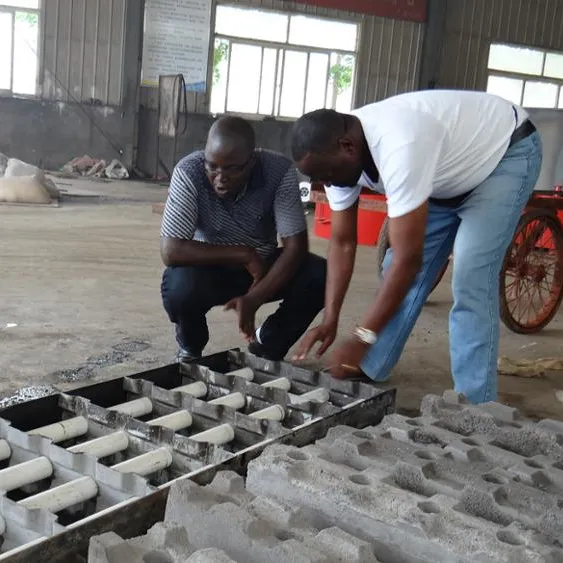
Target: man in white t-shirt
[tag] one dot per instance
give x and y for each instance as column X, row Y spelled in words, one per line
column 457, row 168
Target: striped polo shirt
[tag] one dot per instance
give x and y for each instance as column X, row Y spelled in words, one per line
column 269, row 206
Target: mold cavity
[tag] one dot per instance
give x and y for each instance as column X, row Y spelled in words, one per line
column 297, row 456
column 413, row 423
column 429, row 507
column 494, row 479
column 362, row 435
column 506, row 536
column 284, row 535
column 470, row 442
column 533, row 464
column 359, row 479
column 425, row 455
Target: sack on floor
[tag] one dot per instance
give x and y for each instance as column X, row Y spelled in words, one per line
column 23, row 189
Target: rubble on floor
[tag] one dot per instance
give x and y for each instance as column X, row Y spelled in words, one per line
column 460, row 483
column 88, row 166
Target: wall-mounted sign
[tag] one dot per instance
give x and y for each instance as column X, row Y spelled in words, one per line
column 176, row 41
column 411, row 10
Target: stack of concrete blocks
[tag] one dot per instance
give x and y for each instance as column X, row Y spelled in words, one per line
column 458, row 484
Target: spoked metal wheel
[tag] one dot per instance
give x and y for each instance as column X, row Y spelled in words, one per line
column 383, row 245
column 531, row 280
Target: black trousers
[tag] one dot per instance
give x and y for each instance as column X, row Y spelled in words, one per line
column 189, row 292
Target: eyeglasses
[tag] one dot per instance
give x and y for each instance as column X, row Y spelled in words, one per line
column 231, row 170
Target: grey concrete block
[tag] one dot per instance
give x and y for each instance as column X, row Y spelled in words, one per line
column 224, row 515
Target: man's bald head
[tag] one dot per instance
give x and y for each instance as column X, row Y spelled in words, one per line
column 230, row 134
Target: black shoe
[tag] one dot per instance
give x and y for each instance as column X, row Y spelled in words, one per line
column 257, row 349
column 186, row 357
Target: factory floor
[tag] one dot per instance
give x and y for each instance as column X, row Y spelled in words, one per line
column 81, row 303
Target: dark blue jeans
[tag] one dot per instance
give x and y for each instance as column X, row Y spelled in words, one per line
column 189, row 292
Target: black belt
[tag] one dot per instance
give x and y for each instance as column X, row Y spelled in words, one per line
column 520, row 133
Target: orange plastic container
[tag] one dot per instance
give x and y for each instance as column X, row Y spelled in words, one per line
column 369, row 220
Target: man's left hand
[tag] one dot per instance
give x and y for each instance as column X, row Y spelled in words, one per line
column 347, row 357
column 246, row 308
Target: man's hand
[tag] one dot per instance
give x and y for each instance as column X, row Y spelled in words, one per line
column 324, row 333
column 347, row 357
column 246, row 308
column 256, row 267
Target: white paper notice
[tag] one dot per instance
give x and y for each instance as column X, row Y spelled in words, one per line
column 176, row 41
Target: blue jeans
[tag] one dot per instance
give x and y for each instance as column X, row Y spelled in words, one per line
column 479, row 232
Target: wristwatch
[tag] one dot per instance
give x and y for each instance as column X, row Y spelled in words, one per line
column 365, row 335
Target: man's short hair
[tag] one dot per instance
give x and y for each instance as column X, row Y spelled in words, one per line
column 234, row 131
column 316, row 132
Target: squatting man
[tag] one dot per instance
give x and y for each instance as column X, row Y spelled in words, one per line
column 457, row 169
column 225, row 209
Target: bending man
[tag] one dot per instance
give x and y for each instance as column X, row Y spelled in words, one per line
column 226, row 207
column 457, row 169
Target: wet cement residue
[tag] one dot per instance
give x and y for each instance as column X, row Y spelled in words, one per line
column 120, row 353
column 27, row 394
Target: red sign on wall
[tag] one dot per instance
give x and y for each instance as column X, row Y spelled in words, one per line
column 411, row 10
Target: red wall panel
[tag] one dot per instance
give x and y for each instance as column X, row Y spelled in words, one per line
column 412, row 10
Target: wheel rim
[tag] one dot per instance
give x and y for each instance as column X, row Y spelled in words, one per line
column 533, row 273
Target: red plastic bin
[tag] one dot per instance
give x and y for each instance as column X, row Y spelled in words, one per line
column 371, row 215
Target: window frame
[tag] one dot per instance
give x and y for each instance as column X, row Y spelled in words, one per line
column 9, row 93
column 281, row 49
column 526, row 77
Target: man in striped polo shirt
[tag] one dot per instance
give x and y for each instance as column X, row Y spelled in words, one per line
column 226, row 207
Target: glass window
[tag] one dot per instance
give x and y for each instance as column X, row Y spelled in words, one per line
column 244, row 78
column 553, row 65
column 293, row 84
column 516, row 59
column 317, row 32
column 540, row 94
column 508, row 88
column 26, row 38
column 6, row 29
column 29, row 4
column 251, row 24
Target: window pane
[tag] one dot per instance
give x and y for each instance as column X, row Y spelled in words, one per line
column 553, row 65
column 25, row 53
column 540, row 95
column 560, row 106
column 293, row 84
column 508, row 88
column 516, row 59
column 268, row 85
column 253, row 24
column 244, row 78
column 317, row 81
column 318, row 32
column 342, row 74
column 32, row 4
column 5, row 51
column 220, row 71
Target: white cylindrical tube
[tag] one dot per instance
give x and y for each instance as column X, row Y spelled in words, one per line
column 64, row 430
column 319, row 395
column 137, row 407
column 148, row 463
column 63, row 496
column 5, row 451
column 105, row 445
column 25, row 473
column 197, row 389
column 281, row 383
column 275, row 412
column 234, row 400
column 245, row 373
column 219, row 435
column 176, row 420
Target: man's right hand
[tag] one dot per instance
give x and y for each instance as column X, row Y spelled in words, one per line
column 256, row 267
column 324, row 333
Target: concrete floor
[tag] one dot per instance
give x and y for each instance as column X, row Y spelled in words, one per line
column 81, row 303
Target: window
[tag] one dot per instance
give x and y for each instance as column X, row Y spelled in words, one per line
column 281, row 65
column 529, row 77
column 19, row 42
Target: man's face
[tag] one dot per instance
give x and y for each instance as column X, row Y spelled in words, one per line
column 228, row 170
column 340, row 168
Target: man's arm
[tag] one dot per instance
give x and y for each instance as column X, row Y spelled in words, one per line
column 179, row 223
column 406, row 236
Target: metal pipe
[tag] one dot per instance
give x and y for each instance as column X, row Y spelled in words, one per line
column 234, row 400
column 63, row 496
column 218, row 435
column 245, row 373
column 22, row 474
column 148, row 463
column 176, row 420
column 137, row 407
column 282, row 383
column 275, row 412
column 104, row 446
column 319, row 395
column 64, row 430
column 197, row 389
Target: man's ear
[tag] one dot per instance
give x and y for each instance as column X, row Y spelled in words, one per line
column 346, row 145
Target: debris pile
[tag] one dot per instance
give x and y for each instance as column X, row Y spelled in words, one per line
column 97, row 168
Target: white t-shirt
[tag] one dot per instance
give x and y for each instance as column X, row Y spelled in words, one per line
column 433, row 143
